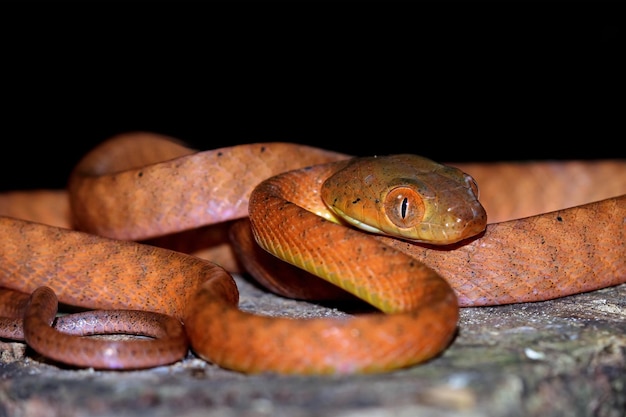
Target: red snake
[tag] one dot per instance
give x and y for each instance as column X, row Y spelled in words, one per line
column 556, row 228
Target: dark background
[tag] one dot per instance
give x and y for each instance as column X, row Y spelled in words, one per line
column 451, row 81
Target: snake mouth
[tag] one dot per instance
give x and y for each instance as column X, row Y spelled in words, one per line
column 427, row 233
column 358, row 223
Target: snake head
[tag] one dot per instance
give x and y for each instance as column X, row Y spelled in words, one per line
column 406, row 196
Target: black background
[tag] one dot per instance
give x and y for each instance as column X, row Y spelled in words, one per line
column 451, row 81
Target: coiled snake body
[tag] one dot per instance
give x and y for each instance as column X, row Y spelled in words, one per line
column 138, row 187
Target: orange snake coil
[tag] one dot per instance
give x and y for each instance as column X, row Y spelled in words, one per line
column 138, row 187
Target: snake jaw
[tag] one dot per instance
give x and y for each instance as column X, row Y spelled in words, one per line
column 446, row 234
column 356, row 222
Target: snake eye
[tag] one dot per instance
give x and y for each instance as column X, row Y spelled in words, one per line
column 404, row 207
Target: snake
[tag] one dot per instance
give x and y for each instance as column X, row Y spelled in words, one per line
column 147, row 233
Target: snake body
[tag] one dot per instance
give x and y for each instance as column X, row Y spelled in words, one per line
column 137, row 187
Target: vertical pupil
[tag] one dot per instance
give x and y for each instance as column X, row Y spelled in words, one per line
column 404, row 207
